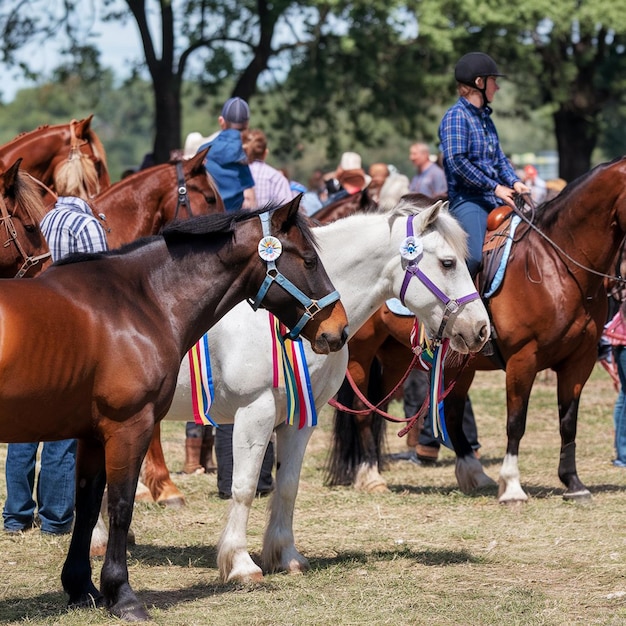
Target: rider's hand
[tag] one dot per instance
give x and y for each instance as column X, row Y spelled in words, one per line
column 506, row 194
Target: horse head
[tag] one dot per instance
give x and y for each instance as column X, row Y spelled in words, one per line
column 432, row 276
column 24, row 251
column 321, row 318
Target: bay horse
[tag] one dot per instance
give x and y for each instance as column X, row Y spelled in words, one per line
column 47, row 147
column 101, row 358
column 362, row 255
column 548, row 313
column 23, row 248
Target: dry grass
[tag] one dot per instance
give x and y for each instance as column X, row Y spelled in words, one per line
column 421, row 554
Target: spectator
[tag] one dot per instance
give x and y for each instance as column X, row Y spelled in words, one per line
column 538, row 189
column 429, row 179
column 379, row 172
column 270, row 185
column 227, row 162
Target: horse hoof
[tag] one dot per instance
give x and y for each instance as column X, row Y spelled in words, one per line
column 174, row 502
column 581, row 496
column 131, row 614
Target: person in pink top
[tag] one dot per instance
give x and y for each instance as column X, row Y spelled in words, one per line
column 270, row 185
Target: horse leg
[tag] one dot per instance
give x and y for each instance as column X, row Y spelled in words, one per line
column 251, row 436
column 100, row 534
column 569, row 387
column 469, row 471
column 156, row 476
column 521, row 371
column 90, row 482
column 279, row 550
column 124, row 452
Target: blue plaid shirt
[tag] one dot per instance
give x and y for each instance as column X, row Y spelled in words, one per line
column 72, row 227
column 472, row 158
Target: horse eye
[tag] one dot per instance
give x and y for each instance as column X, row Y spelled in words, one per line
column 310, row 263
column 30, row 228
column 448, row 263
column 211, row 200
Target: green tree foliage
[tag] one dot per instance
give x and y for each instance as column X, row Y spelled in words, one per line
column 353, row 73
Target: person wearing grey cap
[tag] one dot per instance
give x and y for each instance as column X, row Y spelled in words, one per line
column 226, row 161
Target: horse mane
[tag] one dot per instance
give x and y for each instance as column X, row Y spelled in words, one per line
column 550, row 210
column 28, row 196
column 77, row 176
column 224, row 223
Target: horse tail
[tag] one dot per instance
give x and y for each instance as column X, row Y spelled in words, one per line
column 77, row 176
column 348, row 451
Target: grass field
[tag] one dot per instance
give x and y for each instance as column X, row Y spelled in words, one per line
column 423, row 553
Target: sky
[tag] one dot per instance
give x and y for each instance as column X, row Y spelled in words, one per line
column 118, row 45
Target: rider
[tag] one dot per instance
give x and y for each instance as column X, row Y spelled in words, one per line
column 479, row 175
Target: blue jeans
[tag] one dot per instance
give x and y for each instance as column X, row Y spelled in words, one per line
column 472, row 215
column 619, row 411
column 416, row 388
column 56, row 486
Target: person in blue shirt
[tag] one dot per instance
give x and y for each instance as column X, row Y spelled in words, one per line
column 479, row 175
column 227, row 162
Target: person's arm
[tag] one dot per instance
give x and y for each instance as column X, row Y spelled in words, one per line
column 249, row 198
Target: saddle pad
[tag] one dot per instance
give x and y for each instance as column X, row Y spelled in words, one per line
column 397, row 308
column 496, row 255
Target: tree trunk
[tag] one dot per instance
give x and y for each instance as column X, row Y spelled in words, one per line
column 167, row 101
column 576, row 139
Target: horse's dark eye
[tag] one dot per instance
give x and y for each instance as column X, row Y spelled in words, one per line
column 447, row 263
column 211, row 200
column 31, row 228
column 310, row 263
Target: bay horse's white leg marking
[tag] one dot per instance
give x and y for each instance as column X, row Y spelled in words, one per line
column 509, row 486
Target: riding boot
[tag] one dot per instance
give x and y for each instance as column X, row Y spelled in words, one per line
column 206, row 452
column 193, row 449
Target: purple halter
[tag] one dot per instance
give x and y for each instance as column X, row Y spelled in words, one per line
column 412, row 251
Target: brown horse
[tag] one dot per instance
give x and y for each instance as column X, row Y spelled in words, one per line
column 123, row 321
column 46, row 148
column 548, row 313
column 23, row 248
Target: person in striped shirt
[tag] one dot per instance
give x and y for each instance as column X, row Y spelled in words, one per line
column 480, row 177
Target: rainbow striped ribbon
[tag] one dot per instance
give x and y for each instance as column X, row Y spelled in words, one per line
column 433, row 361
column 289, row 367
column 202, row 392
column 290, row 370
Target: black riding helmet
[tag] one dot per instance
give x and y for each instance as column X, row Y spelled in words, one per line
column 474, row 65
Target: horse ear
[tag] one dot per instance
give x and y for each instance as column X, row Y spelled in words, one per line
column 431, row 214
column 81, row 127
column 196, row 162
column 10, row 175
column 285, row 216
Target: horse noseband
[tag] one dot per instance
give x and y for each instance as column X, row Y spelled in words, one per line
column 270, row 249
column 412, row 251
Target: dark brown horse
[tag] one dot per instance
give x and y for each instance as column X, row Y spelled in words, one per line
column 123, row 321
column 23, row 249
column 547, row 314
column 44, row 149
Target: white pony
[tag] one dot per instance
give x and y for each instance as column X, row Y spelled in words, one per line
column 361, row 254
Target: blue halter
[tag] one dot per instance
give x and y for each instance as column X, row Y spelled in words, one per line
column 270, row 249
